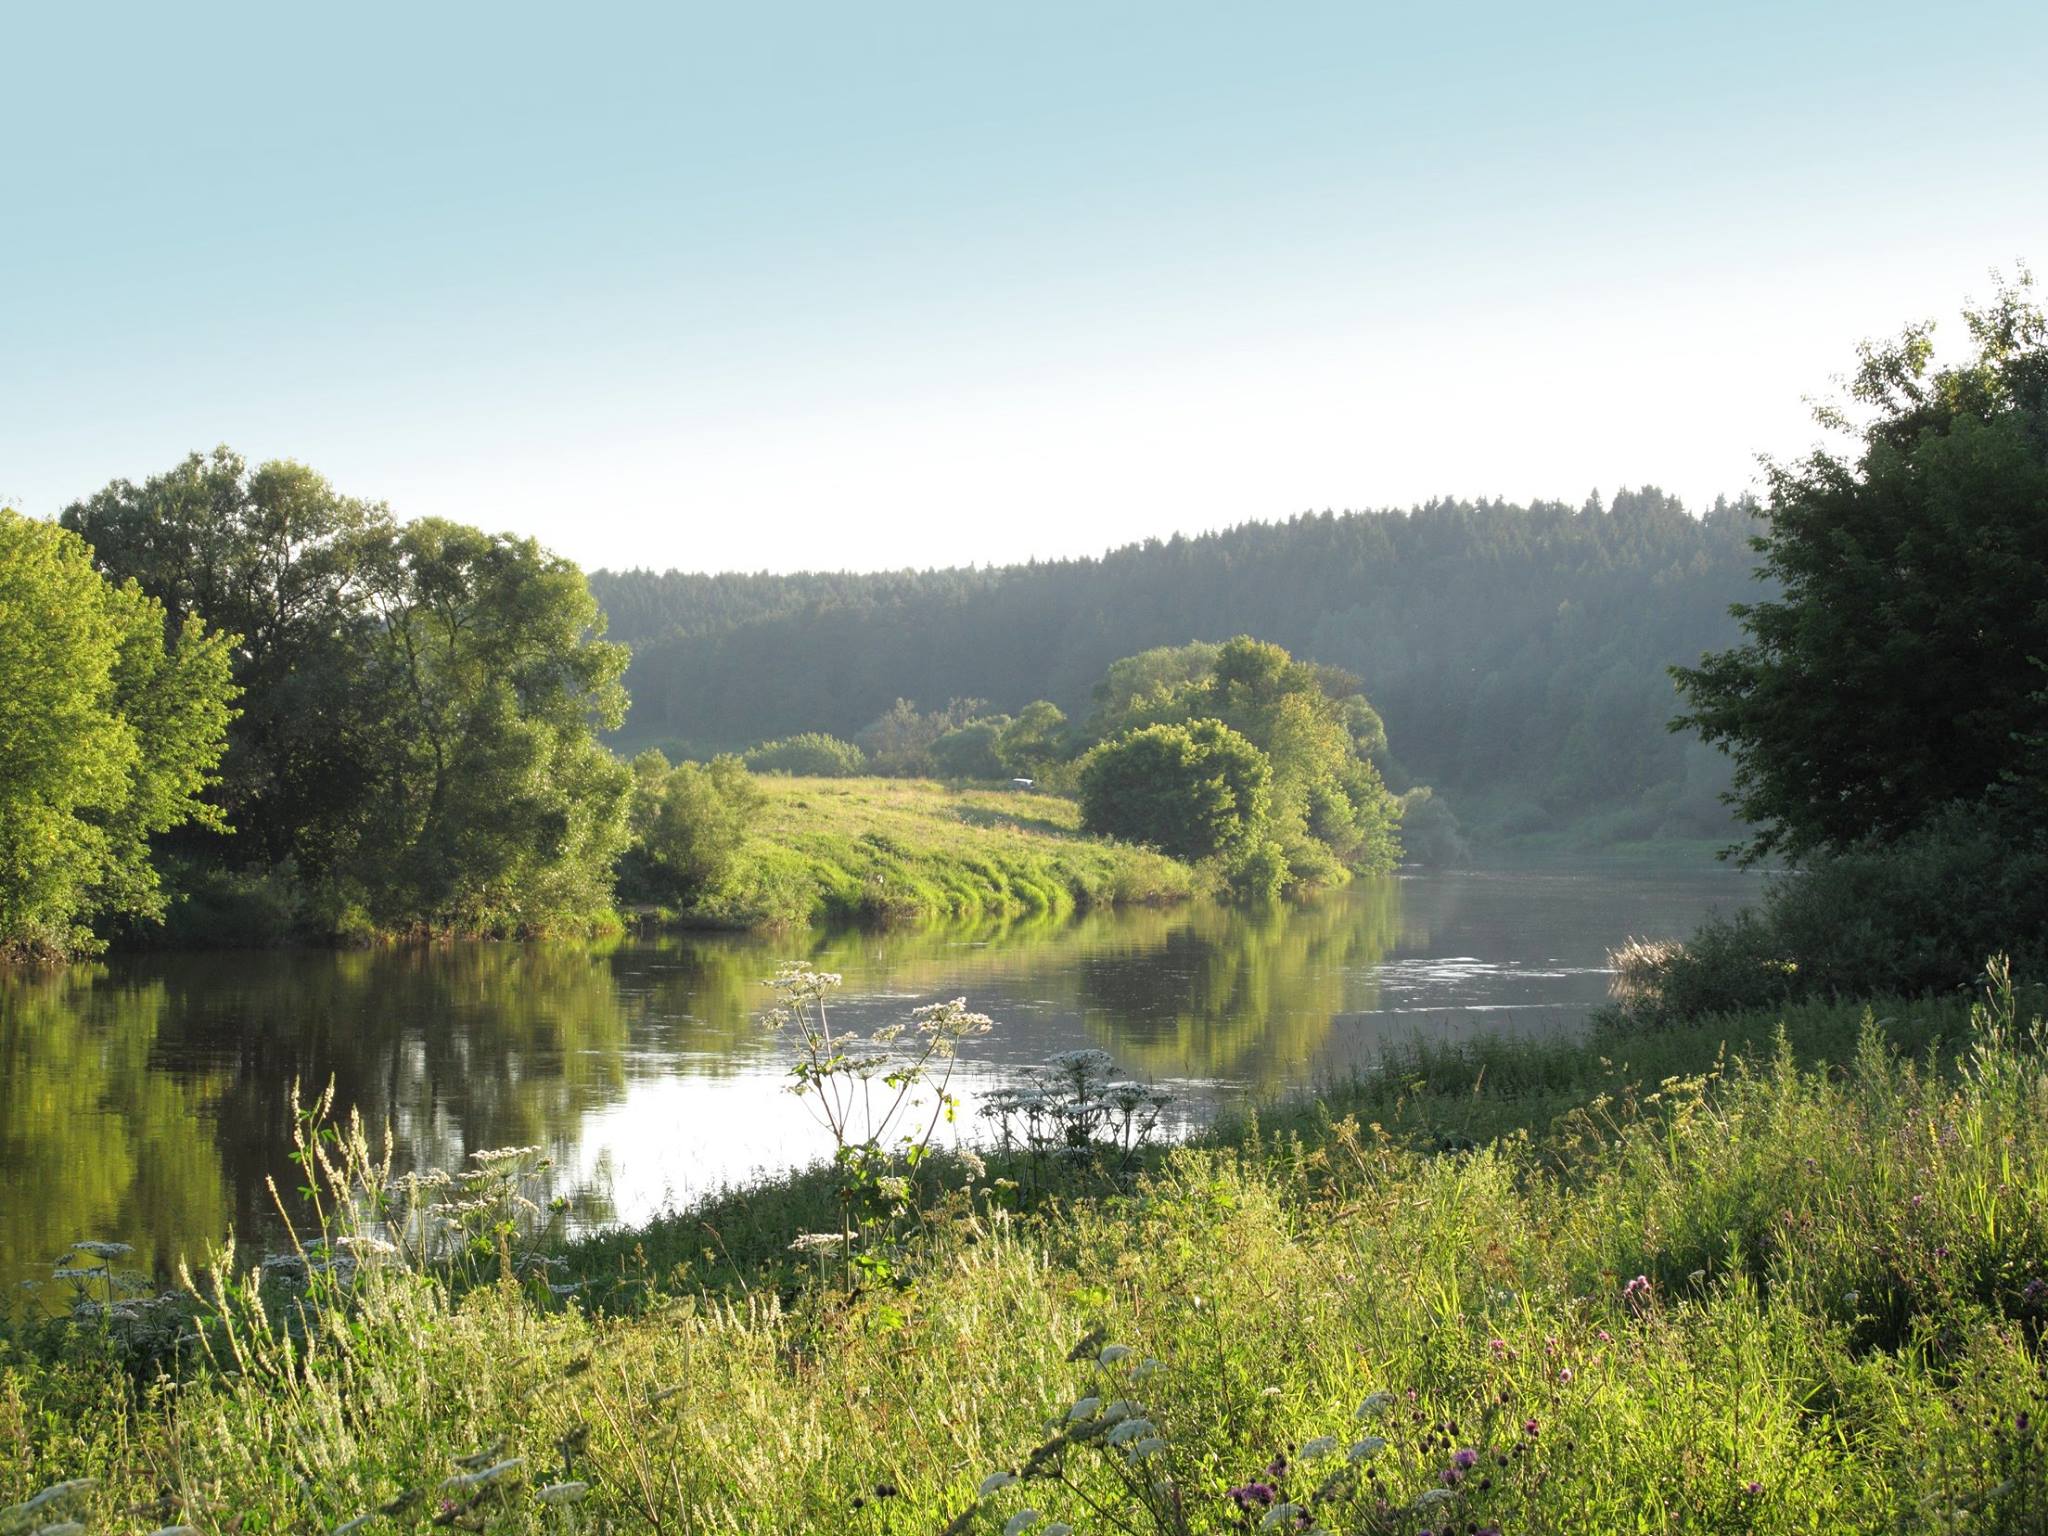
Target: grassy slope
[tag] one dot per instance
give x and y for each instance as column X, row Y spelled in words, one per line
column 909, row 849
column 1844, row 1276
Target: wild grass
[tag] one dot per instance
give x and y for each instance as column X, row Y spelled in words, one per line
column 900, row 850
column 1795, row 1284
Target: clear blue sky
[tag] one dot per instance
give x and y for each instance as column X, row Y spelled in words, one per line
column 778, row 286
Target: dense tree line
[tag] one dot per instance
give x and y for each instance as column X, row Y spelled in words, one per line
column 416, row 741
column 1516, row 652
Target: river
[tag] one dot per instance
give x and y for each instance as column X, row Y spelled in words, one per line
column 147, row 1099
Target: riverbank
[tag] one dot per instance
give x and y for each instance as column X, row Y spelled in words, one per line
column 882, row 851
column 1734, row 1277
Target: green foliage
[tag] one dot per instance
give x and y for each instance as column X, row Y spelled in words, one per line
column 689, row 824
column 899, row 741
column 417, row 746
column 1035, row 743
column 278, row 558
column 497, row 810
column 809, row 754
column 1193, row 791
column 1915, row 915
column 972, row 751
column 1329, row 812
column 1900, row 670
column 108, row 739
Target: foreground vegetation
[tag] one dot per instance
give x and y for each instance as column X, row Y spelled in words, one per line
column 898, row 850
column 1795, row 1283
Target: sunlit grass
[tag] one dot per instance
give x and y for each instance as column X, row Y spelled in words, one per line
column 897, row 850
column 1725, row 1279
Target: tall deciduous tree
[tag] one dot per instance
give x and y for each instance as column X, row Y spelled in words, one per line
column 421, row 702
column 1899, row 671
column 107, row 738
column 278, row 558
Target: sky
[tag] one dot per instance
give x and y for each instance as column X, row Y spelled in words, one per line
column 778, row 286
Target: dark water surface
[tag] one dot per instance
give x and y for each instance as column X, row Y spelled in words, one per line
column 147, row 1099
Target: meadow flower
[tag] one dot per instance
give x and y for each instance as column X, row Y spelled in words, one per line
column 1083, row 1407
column 1374, row 1405
column 996, row 1481
column 1058, row 1528
column 1248, row 1494
column 563, row 1493
column 1130, row 1429
column 1020, row 1522
column 100, row 1250
column 1321, row 1446
column 1529, row 1429
column 1433, row 1496
column 1146, row 1367
column 462, row 1482
column 1151, row 1445
column 1753, row 1489
column 1637, row 1292
column 1565, row 1374
column 1112, row 1353
column 1370, row 1446
column 1465, row 1460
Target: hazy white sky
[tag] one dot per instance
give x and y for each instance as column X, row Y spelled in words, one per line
column 779, row 286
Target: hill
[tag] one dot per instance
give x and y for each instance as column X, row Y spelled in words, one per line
column 1516, row 653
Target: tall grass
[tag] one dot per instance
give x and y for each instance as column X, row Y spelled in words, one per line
column 1782, row 1287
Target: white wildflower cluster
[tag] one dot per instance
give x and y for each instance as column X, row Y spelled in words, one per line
column 1075, row 1104
column 33, row 1513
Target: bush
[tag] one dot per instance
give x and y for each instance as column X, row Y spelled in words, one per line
column 812, row 754
column 1912, row 917
column 1188, row 790
column 689, row 824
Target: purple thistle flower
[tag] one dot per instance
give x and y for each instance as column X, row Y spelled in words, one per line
column 1465, row 1460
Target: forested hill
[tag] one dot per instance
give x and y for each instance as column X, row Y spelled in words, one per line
column 1517, row 653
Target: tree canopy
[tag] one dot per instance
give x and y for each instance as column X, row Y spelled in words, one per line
column 108, row 737
column 1900, row 668
column 418, row 741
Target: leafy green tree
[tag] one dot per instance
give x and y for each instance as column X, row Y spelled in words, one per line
column 1330, row 810
column 808, row 754
column 972, row 751
column 108, row 738
column 1898, row 670
column 1035, row 741
column 900, row 740
column 495, row 808
column 689, row 823
column 421, row 704
column 278, row 558
column 1192, row 790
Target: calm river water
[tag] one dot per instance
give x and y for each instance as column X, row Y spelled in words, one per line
column 147, row 1099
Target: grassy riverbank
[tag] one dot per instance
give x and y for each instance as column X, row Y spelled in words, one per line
column 903, row 850
column 1718, row 1279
